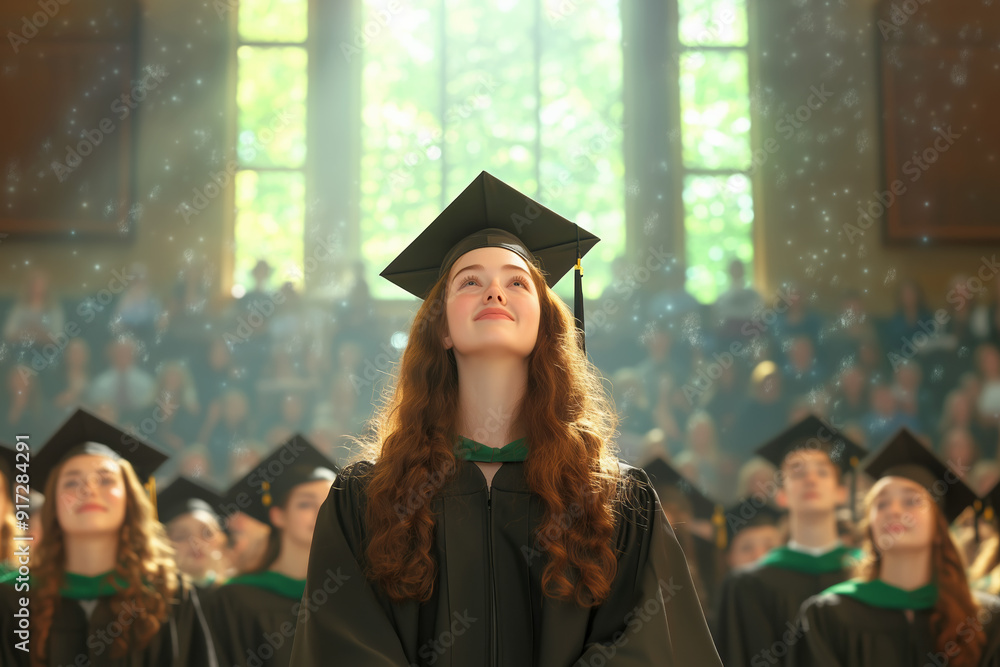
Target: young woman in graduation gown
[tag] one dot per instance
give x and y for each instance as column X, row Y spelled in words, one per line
column 459, row 552
column 8, row 472
column 253, row 616
column 910, row 604
column 104, row 590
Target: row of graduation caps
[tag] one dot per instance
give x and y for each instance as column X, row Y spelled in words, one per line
column 297, row 462
column 294, row 462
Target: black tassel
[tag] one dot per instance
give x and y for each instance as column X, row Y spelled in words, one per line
column 578, row 297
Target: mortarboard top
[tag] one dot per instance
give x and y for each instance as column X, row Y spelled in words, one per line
column 902, row 455
column 813, row 433
column 85, row 433
column 662, row 474
column 268, row 485
column 750, row 514
column 185, row 495
column 490, row 213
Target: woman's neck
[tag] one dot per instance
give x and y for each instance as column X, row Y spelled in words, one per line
column 489, row 394
column 908, row 570
column 293, row 561
column 91, row 555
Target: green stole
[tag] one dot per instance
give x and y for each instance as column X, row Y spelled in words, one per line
column 275, row 582
column 82, row 587
column 877, row 593
column 839, row 558
column 470, row 450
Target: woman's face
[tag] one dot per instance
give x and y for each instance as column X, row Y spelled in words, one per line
column 90, row 495
column 198, row 541
column 485, row 280
column 901, row 515
column 298, row 519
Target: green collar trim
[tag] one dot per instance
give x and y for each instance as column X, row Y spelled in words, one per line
column 835, row 560
column 877, row 593
column 82, row 587
column 470, row 450
column 275, row 582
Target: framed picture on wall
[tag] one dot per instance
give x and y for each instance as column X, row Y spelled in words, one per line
column 71, row 93
column 940, row 91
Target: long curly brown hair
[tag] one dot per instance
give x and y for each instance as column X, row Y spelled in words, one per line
column 145, row 561
column 566, row 414
column 955, row 604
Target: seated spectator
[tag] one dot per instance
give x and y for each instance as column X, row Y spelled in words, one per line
column 760, row 416
column 912, row 397
column 633, row 404
column 885, row 418
column 36, row 318
column 959, row 450
column 23, row 410
column 988, row 403
column 292, row 419
column 227, row 426
column 798, row 318
column 125, row 386
column 911, row 312
column 802, row 372
column 737, row 305
column 178, row 399
column 72, row 377
column 850, row 395
column 757, row 478
column 138, row 311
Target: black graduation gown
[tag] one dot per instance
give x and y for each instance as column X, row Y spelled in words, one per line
column 758, row 604
column 839, row 631
column 9, row 605
column 251, row 626
column 182, row 641
column 479, row 534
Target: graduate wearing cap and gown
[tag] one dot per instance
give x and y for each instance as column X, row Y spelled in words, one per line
column 8, row 492
column 699, row 523
column 910, row 603
column 984, row 573
column 104, row 587
column 10, row 598
column 492, row 525
column 189, row 511
column 759, row 603
column 253, row 616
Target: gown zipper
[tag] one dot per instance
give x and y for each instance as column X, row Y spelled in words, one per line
column 493, row 590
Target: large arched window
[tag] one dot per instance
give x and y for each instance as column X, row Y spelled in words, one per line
column 529, row 91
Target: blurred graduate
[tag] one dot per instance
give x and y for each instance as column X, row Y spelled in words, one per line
column 758, row 603
column 105, row 590
column 253, row 616
column 910, row 602
column 493, row 512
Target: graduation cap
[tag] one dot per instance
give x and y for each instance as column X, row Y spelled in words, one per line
column 748, row 514
column 85, row 433
column 184, row 495
column 902, row 455
column 269, row 484
column 813, row 433
column 662, row 474
column 490, row 213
